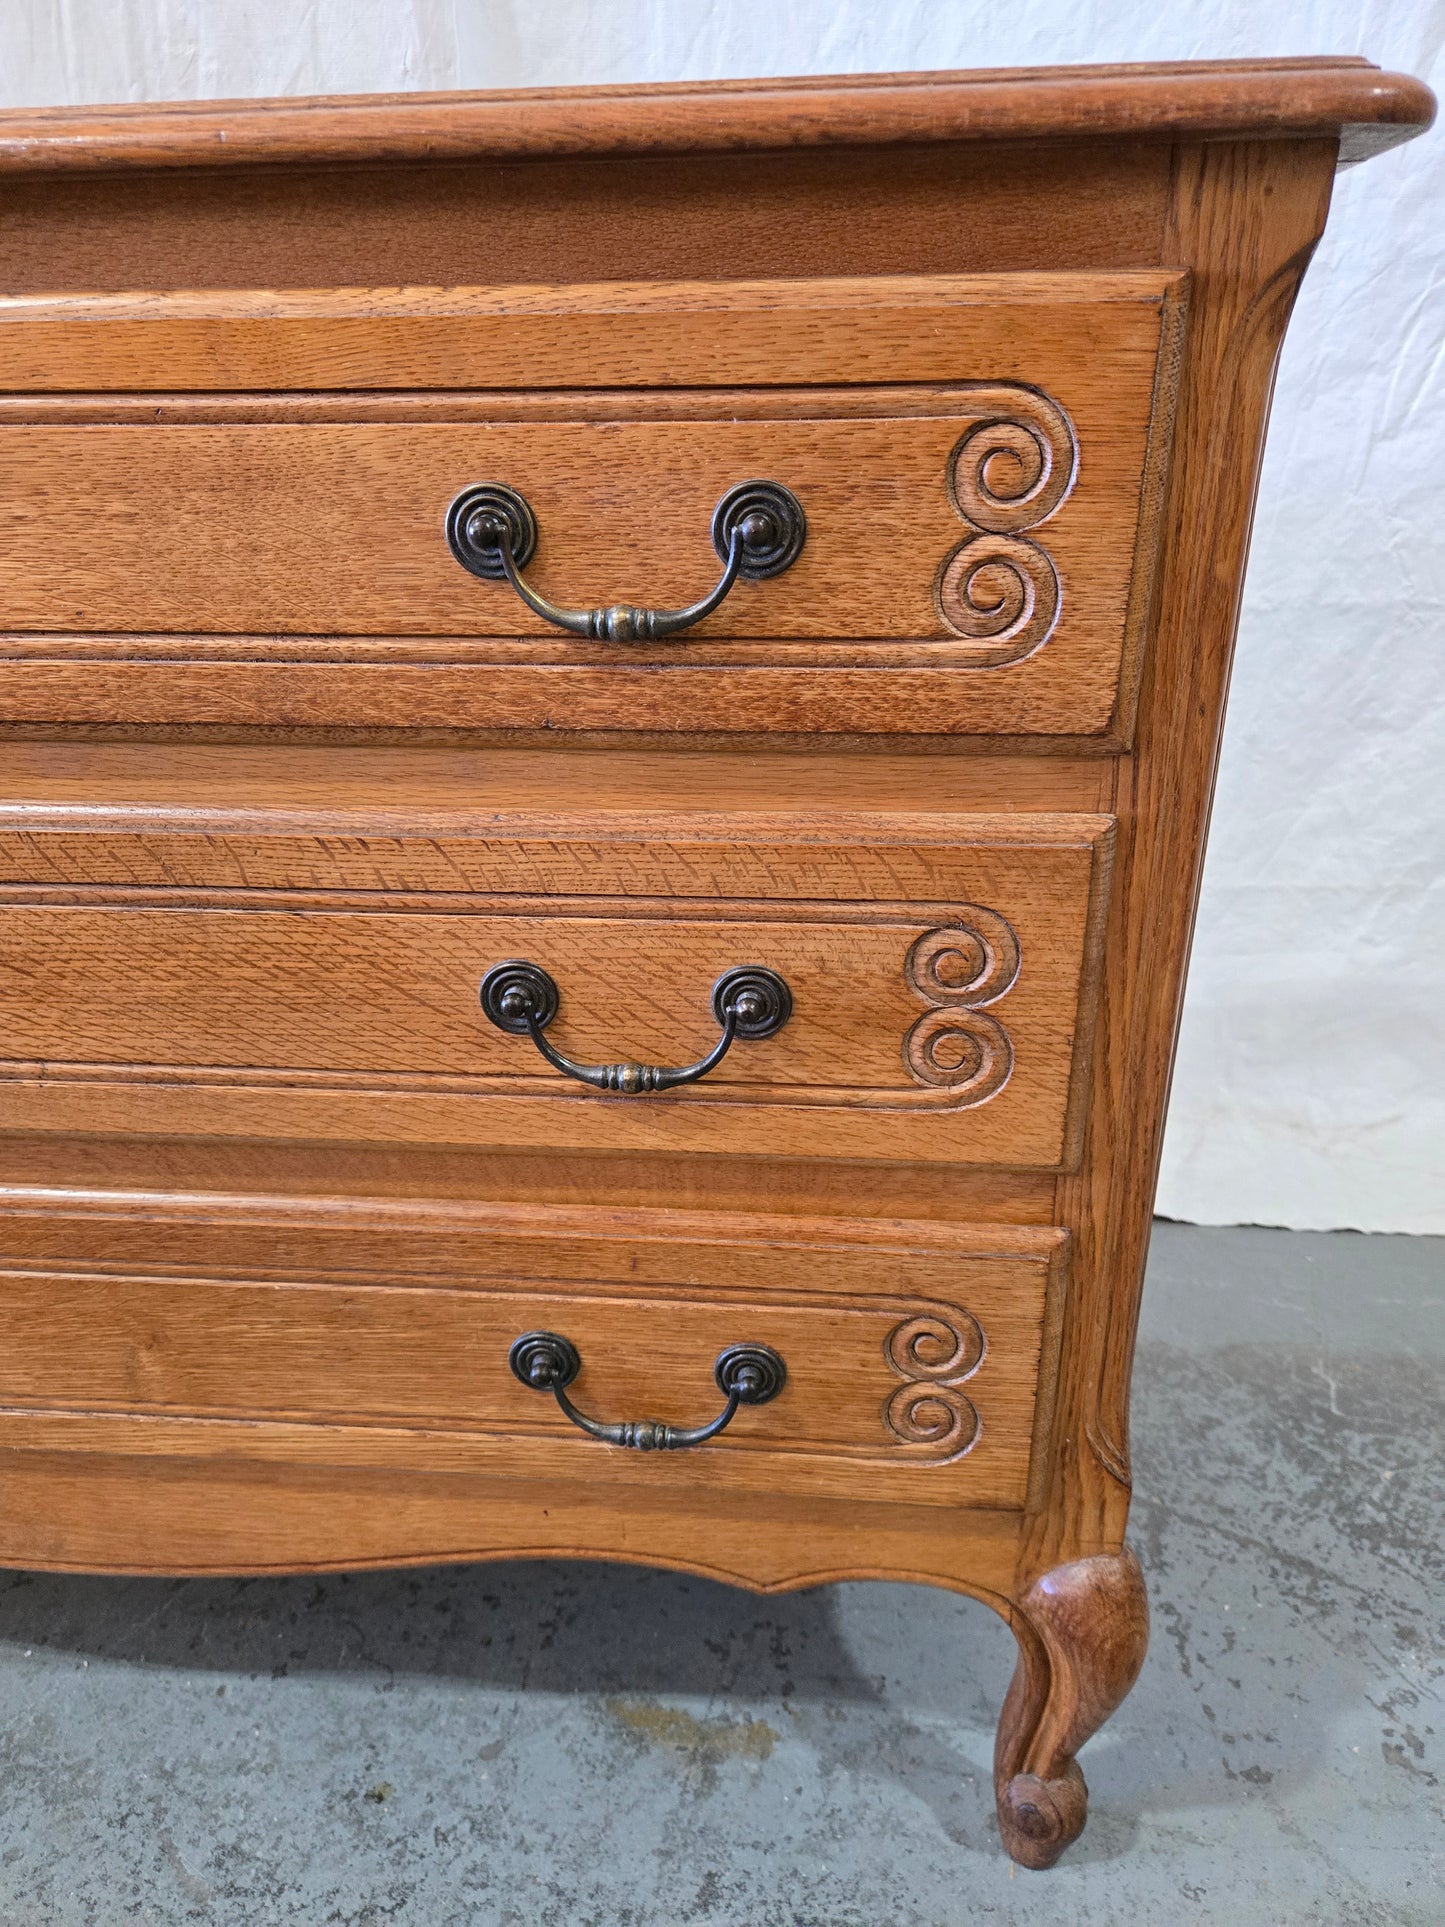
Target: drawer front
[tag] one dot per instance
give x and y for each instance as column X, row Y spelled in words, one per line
column 978, row 461
column 941, row 982
column 912, row 1358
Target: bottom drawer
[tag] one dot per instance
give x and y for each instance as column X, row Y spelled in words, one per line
column 380, row 1334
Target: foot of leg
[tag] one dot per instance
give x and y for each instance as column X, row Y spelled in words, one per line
column 1082, row 1630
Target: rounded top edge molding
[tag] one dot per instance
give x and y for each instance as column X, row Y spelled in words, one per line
column 1369, row 110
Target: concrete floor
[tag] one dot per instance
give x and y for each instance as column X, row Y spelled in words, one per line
column 538, row 1745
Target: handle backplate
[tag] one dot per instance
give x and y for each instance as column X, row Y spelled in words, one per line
column 749, row 1002
column 744, row 1374
column 758, row 530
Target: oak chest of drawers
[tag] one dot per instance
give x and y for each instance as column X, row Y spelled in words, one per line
column 489, row 1067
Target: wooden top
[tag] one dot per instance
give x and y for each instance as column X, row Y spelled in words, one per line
column 1214, row 100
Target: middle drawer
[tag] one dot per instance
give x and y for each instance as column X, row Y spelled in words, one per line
column 304, row 969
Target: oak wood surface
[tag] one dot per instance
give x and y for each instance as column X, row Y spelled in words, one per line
column 259, row 529
column 1082, row 1630
column 71, row 782
column 280, row 1230
column 1335, row 96
column 96, row 1511
column 1247, row 218
column 1220, row 174
column 265, row 685
column 908, row 210
column 772, row 333
column 92, row 1166
column 304, row 979
column 362, row 1333
column 1008, row 521
column 929, row 211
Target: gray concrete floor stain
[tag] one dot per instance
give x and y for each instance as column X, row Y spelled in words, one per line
column 529, row 1745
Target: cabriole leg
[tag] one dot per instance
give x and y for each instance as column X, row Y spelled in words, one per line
column 1082, row 1631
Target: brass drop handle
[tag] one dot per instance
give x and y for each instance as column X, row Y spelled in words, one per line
column 758, row 528
column 745, row 1375
column 748, row 1002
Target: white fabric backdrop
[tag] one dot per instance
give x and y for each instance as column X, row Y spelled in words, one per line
column 1311, row 1081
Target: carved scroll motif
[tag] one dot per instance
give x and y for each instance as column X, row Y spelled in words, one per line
column 1010, row 470
column 934, row 1354
column 956, row 1046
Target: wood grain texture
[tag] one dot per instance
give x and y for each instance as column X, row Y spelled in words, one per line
column 1332, row 96
column 1008, row 521
column 258, row 529
column 195, row 685
column 900, row 210
column 99, row 1512
column 351, row 1012
column 800, row 1187
column 69, row 781
column 1246, row 218
column 1082, row 1630
column 308, row 1332
column 773, row 333
column 279, row 1229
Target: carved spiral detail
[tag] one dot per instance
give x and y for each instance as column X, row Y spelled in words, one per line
column 963, row 1051
column 1008, row 471
column 954, row 1046
column 924, row 1413
column 934, row 1351
column 1001, row 593
column 929, row 1347
column 972, row 961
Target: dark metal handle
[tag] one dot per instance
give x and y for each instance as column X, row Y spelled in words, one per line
column 748, row 1002
column 745, row 1374
column 758, row 528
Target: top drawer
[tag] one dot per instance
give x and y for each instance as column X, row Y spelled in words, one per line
column 231, row 506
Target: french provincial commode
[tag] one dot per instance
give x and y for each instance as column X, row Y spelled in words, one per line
column 609, row 701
